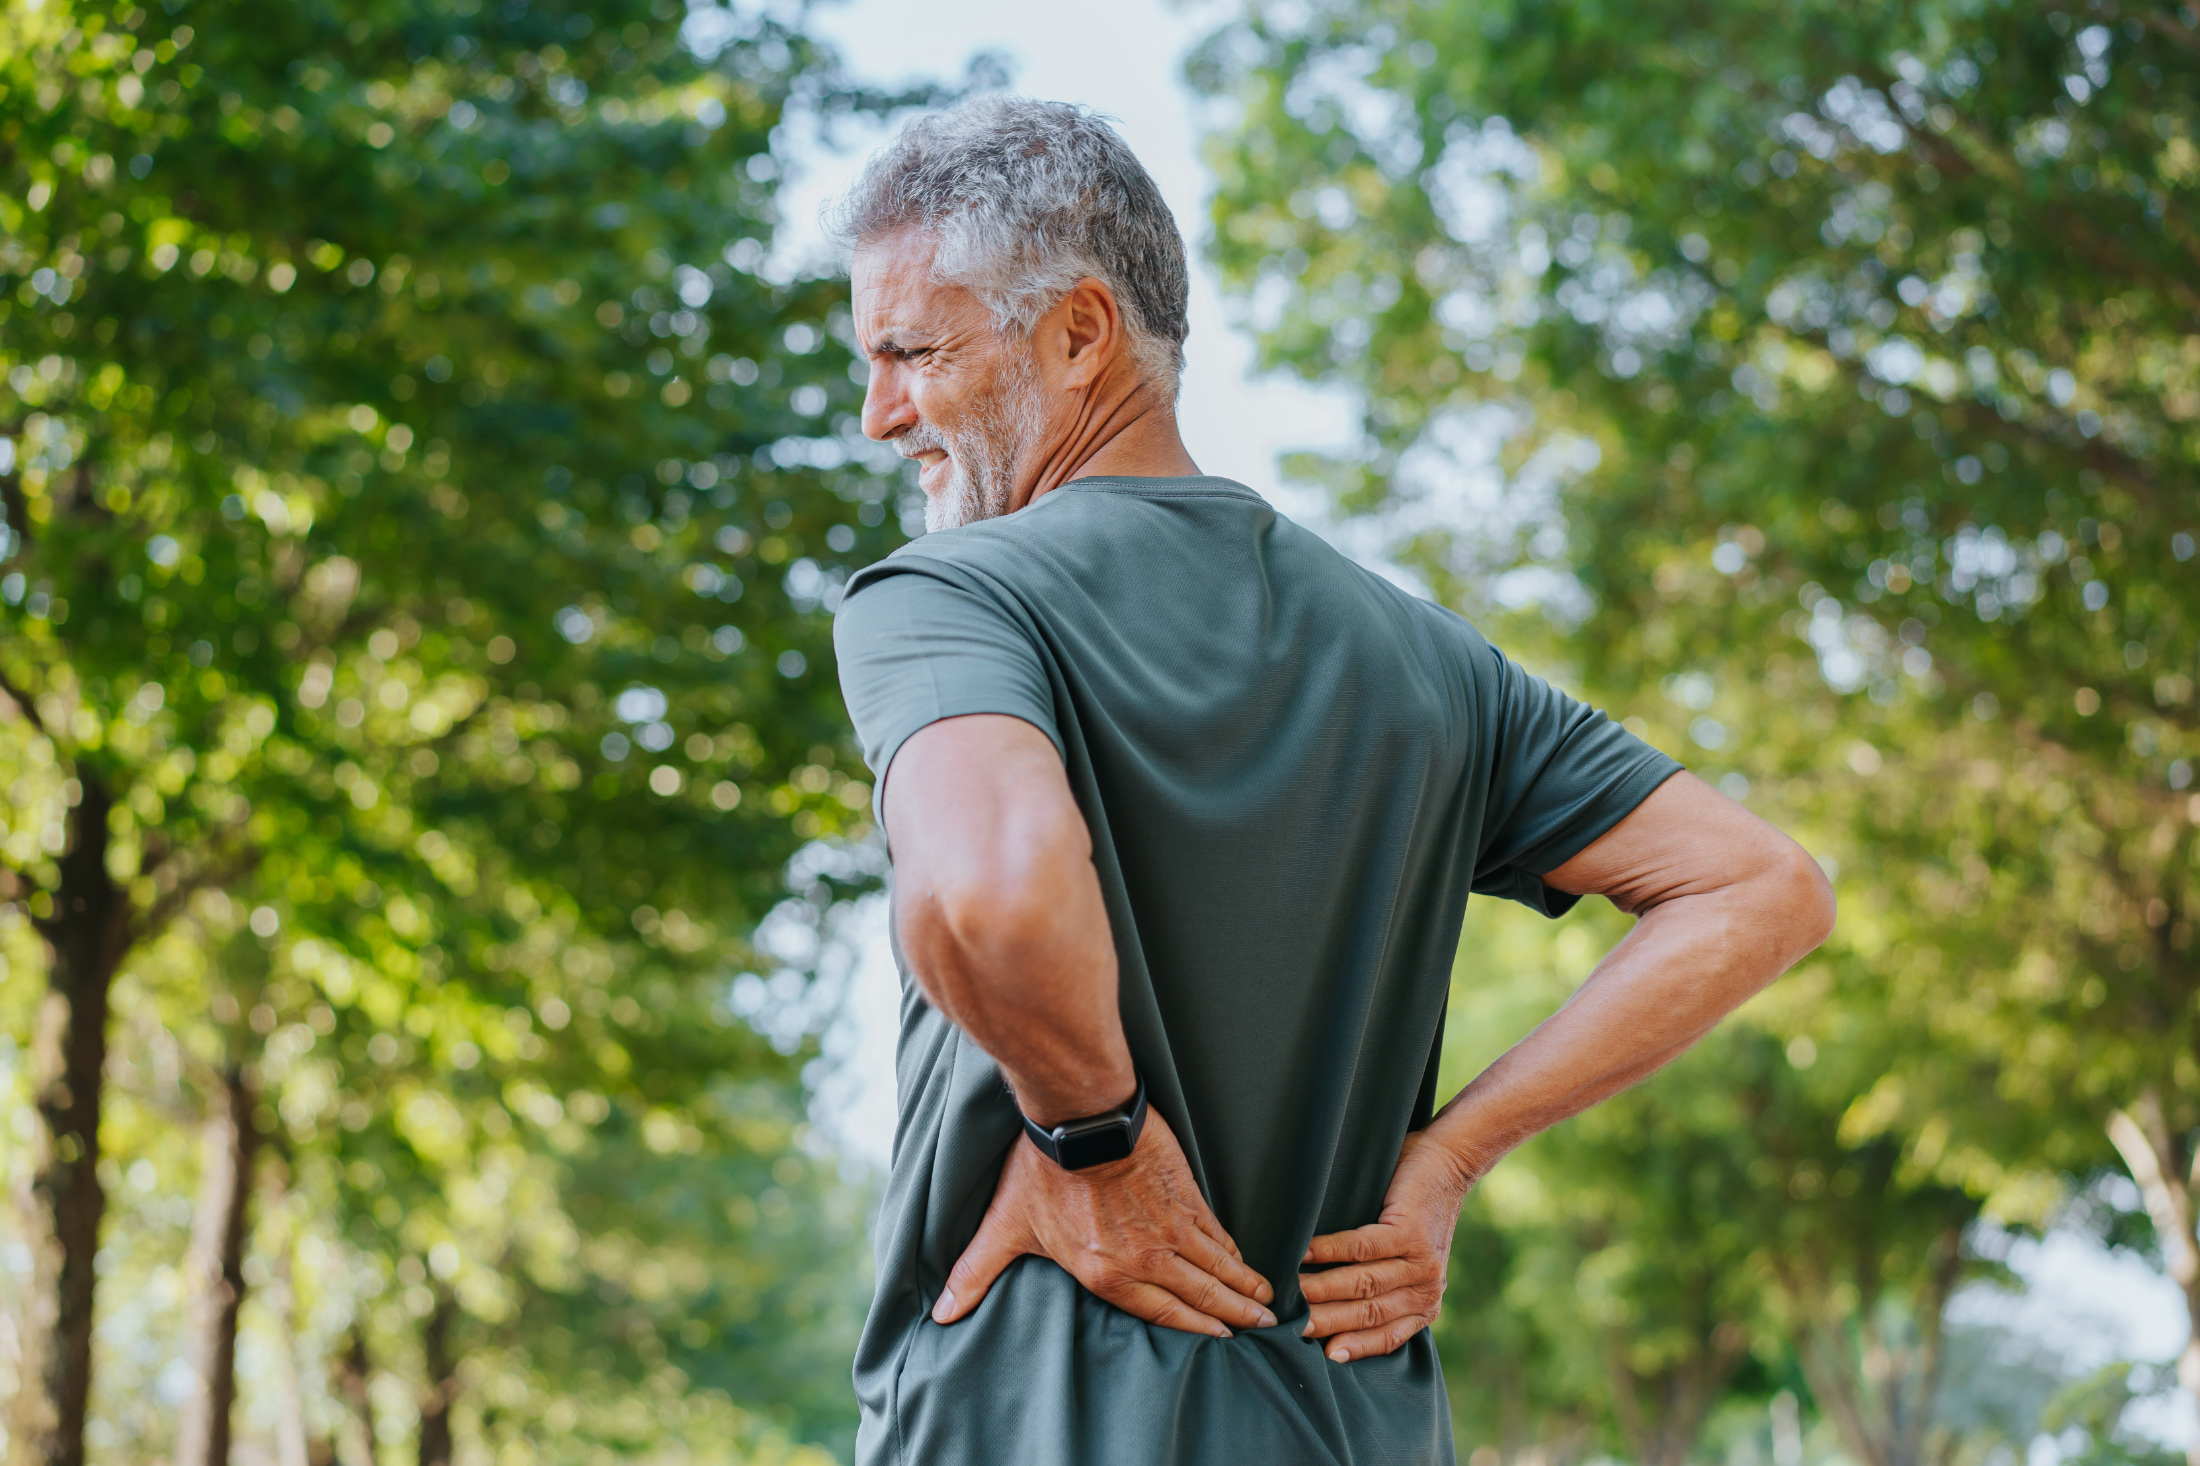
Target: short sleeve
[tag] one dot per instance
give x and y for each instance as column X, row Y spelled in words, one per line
column 1561, row 774
column 918, row 642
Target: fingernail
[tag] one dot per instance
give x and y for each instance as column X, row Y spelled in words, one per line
column 1267, row 1319
column 1221, row 1332
column 944, row 1310
column 1265, row 1295
column 1308, row 1331
column 1340, row 1354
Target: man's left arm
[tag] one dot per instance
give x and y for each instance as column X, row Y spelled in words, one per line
column 1726, row 904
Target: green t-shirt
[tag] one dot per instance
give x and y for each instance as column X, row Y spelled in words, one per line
column 1294, row 773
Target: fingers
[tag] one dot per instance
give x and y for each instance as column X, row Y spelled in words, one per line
column 1369, row 1343
column 1213, row 1228
column 1361, row 1244
column 1209, row 1295
column 1210, row 1224
column 1364, row 1280
column 998, row 1243
column 1201, row 1250
column 1159, row 1305
column 1169, row 1290
column 1361, row 1315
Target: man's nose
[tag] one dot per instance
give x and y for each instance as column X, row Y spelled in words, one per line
column 887, row 410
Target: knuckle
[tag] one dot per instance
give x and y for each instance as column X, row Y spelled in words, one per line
column 1150, row 1262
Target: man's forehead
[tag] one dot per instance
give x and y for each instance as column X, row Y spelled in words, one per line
column 892, row 289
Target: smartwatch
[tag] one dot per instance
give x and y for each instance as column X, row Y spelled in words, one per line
column 1095, row 1140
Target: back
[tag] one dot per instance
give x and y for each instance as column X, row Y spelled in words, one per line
column 1294, row 774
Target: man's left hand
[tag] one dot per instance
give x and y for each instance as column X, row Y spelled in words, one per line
column 1389, row 1280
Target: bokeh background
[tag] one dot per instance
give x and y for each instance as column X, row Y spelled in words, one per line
column 444, row 1012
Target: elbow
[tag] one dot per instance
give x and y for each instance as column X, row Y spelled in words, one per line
column 1810, row 901
column 963, row 935
column 987, row 919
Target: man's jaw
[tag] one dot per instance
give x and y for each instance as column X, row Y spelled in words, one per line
column 952, row 497
column 970, row 474
column 944, row 484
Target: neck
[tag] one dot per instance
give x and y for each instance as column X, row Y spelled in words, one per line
column 1124, row 434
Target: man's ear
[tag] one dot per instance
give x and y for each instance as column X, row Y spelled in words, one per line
column 1090, row 331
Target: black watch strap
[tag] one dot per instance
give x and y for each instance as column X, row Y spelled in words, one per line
column 1095, row 1140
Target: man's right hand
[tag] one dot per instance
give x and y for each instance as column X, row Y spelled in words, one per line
column 1385, row 1281
column 1134, row 1231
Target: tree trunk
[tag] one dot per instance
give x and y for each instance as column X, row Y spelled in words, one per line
column 1879, row 1390
column 86, row 936
column 216, row 1270
column 291, row 1448
column 1662, row 1415
column 2142, row 1137
column 354, row 1377
column 442, row 1386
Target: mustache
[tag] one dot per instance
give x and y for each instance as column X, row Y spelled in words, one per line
column 922, row 438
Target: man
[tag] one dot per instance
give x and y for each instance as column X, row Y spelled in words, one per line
column 1184, row 810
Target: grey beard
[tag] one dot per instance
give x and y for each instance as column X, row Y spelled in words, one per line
column 981, row 454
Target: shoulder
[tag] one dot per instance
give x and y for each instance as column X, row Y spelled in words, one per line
column 1440, row 629
column 1006, row 560
column 942, row 582
column 920, row 573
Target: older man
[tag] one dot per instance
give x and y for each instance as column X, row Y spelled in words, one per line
column 1184, row 809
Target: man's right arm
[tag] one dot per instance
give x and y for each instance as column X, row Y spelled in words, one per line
column 1727, row 903
column 1003, row 924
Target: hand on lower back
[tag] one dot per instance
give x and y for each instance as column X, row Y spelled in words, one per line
column 1389, row 1278
column 1135, row 1231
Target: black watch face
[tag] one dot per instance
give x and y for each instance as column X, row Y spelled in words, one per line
column 1095, row 1145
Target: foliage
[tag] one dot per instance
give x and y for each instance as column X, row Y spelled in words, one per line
column 1698, row 1240
column 2093, row 1407
column 418, row 519
column 1814, row 384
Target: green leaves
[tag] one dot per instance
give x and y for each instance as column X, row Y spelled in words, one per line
column 424, row 523
column 1807, row 385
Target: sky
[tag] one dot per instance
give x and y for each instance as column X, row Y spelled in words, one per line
column 2094, row 1305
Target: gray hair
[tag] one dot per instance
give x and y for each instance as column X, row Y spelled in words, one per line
column 1026, row 198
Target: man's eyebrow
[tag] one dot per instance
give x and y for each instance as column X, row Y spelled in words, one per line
column 888, row 346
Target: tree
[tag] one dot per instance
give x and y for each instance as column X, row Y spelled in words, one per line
column 417, row 515
column 1710, row 1234
column 217, row 1264
column 1822, row 377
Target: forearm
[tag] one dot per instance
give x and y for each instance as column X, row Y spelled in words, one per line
column 999, row 911
column 1689, row 962
column 1031, row 979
